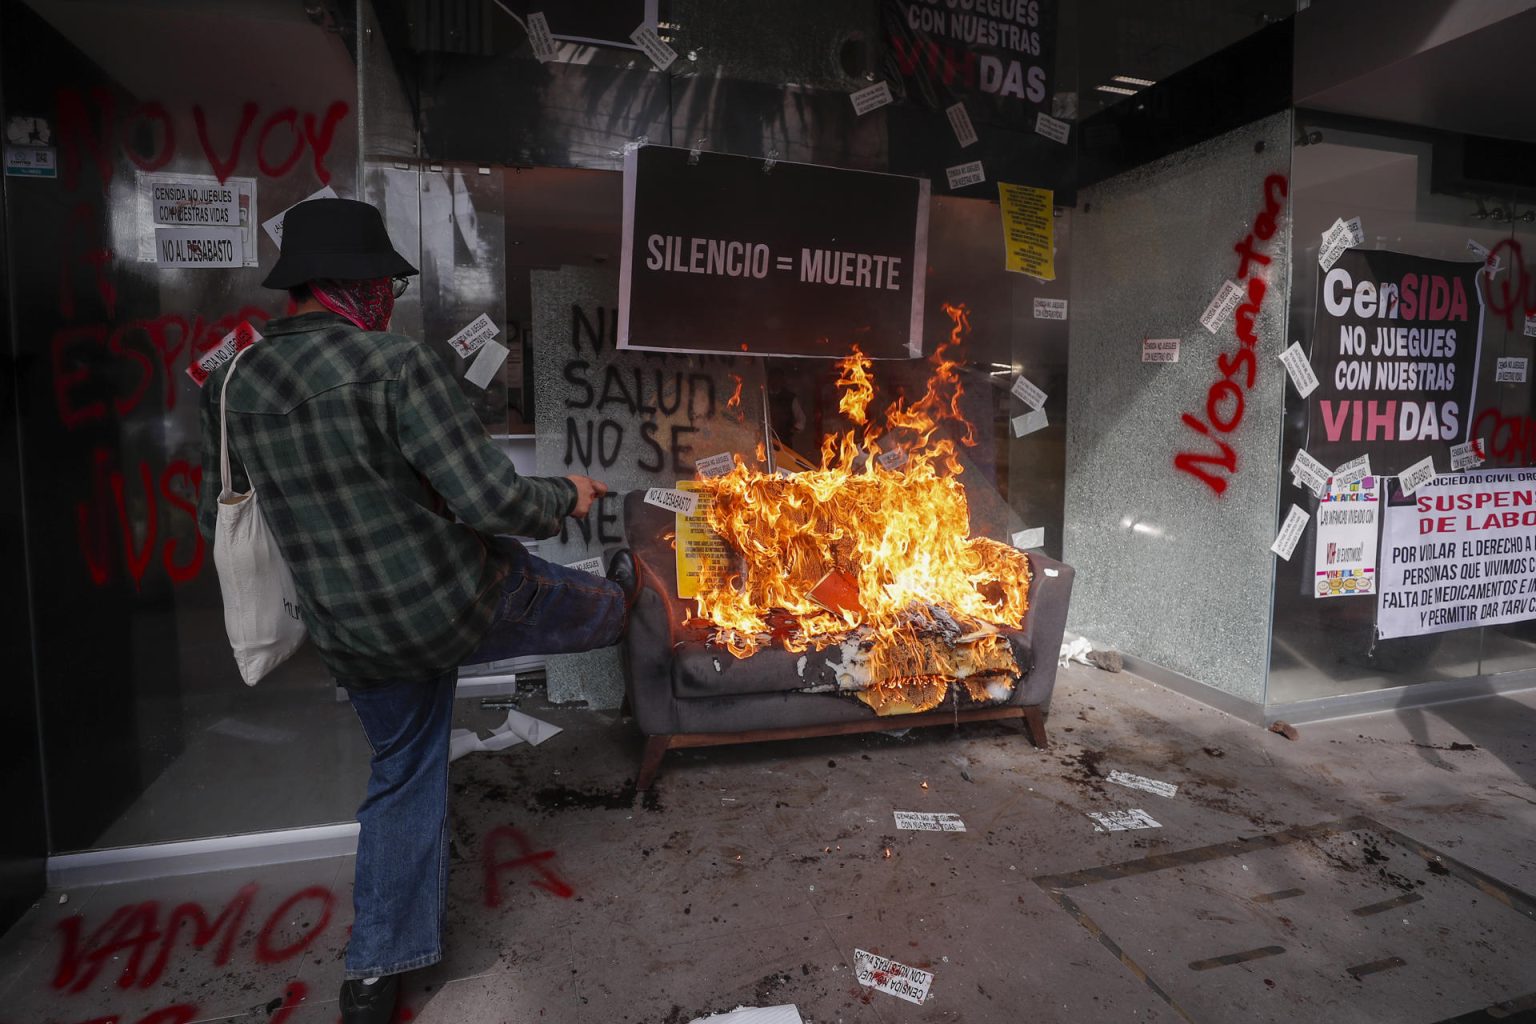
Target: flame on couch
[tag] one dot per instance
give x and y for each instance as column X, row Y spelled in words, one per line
column 873, row 555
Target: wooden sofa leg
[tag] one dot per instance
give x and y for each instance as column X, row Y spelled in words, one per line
column 650, row 761
column 1034, row 726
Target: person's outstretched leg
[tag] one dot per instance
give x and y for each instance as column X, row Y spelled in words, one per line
column 400, row 883
column 552, row 609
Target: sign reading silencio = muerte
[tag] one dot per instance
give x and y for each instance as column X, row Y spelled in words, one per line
column 732, row 254
column 1395, row 349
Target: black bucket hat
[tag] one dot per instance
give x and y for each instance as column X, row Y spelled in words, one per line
column 340, row 239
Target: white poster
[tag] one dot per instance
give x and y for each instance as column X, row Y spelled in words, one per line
column 1460, row 552
column 194, row 200
column 1347, row 519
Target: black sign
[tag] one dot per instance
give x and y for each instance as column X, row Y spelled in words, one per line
column 1395, row 349
column 993, row 55
column 727, row 254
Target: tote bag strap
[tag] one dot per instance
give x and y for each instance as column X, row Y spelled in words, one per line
column 224, row 425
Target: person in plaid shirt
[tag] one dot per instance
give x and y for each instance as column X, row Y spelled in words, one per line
column 394, row 511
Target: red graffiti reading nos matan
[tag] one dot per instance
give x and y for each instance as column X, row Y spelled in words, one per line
column 1224, row 401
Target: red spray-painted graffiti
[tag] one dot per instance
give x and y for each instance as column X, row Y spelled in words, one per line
column 142, row 942
column 1224, row 401
column 1514, row 297
column 166, row 344
column 92, row 127
column 115, row 497
column 527, row 857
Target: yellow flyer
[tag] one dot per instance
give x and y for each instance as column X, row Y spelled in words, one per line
column 1029, row 230
column 701, row 552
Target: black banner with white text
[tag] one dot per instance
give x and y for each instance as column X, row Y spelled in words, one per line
column 1395, row 349
column 730, row 254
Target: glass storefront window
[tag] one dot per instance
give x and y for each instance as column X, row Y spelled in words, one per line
column 1327, row 646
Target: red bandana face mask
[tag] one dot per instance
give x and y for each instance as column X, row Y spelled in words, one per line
column 368, row 304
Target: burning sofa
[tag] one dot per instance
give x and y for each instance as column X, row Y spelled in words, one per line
column 848, row 597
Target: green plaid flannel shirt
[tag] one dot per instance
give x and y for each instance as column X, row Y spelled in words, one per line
column 351, row 438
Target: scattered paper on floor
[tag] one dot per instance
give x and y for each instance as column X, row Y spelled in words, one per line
column 1075, row 650
column 1122, row 821
column 890, row 977
column 786, row 1014
column 1143, row 783
column 518, row 728
column 923, row 821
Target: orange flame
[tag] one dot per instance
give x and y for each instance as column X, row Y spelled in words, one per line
column 877, row 559
column 735, row 399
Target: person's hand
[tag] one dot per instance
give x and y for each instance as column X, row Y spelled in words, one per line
column 587, row 491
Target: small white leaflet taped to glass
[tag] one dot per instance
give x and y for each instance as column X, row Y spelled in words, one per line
column 893, row 459
column 1290, row 533
column 1143, row 783
column 1050, row 309
column 960, row 122
column 872, row 98
column 593, row 565
column 1530, row 327
column 1353, row 471
column 684, row 502
column 229, row 346
column 1028, row 423
column 539, row 38
column 1310, row 473
column 1160, row 350
column 1221, row 307
column 1027, row 393
column 1122, row 821
column 1056, row 131
column 886, row 975
column 1466, row 455
column 660, row 53
column 963, row 175
column 483, row 369
column 1417, row 475
column 923, row 821
column 1030, row 539
column 1299, row 368
column 1491, row 263
column 474, row 334
column 1511, row 370
column 715, row 465
column 273, row 226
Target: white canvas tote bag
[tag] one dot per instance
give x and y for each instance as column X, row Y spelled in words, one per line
column 261, row 605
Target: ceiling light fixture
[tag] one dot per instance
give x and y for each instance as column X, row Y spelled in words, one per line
column 1129, row 80
column 1116, row 90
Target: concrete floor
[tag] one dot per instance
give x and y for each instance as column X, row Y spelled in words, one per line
column 1376, row 869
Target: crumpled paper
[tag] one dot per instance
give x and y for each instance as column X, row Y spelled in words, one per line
column 518, row 728
column 1074, row 650
column 786, row 1014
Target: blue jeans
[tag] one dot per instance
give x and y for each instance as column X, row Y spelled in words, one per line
column 400, row 888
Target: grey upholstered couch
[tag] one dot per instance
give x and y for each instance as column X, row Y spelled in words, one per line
column 682, row 694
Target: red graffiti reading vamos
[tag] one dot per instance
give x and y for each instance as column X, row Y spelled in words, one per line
column 142, row 941
column 1224, row 401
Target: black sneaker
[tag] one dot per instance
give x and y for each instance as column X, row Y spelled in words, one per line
column 369, row 1004
column 623, row 571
